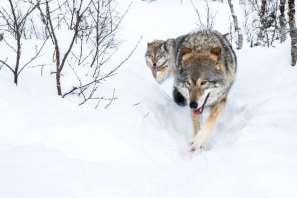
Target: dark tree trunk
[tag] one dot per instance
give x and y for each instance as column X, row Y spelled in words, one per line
column 282, row 21
column 262, row 15
column 263, row 8
column 15, row 78
column 58, row 83
column 293, row 32
column 18, row 57
column 18, row 35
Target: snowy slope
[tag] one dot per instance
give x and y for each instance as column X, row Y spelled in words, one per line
column 138, row 147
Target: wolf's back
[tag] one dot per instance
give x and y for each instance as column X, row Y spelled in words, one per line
column 204, row 41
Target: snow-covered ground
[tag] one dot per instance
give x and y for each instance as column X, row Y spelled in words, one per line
column 138, row 147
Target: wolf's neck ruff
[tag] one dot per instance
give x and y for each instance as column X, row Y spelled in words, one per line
column 200, row 109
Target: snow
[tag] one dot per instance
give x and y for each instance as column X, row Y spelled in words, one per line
column 138, row 147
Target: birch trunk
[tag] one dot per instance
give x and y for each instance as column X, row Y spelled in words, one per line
column 239, row 36
column 293, row 32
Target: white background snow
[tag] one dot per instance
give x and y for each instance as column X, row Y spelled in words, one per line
column 138, row 147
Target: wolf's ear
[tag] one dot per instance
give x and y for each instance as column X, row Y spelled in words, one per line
column 216, row 51
column 186, row 53
column 185, row 50
column 164, row 46
column 170, row 44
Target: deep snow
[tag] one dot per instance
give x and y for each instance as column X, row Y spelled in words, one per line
column 138, row 147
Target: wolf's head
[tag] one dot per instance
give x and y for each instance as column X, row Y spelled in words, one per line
column 203, row 73
column 157, row 59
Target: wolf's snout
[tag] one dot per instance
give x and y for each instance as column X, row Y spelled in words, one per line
column 193, row 105
column 154, row 64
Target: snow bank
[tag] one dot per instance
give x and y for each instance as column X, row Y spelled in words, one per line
column 138, row 147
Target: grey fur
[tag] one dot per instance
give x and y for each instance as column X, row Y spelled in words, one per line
column 204, row 41
column 220, row 83
column 163, row 51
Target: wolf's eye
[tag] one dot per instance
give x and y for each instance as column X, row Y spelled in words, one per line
column 204, row 82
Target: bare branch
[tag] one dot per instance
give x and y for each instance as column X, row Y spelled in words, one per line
column 8, row 66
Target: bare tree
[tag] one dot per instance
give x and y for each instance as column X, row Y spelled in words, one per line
column 261, row 22
column 208, row 22
column 82, row 56
column 239, row 37
column 263, row 8
column 15, row 19
column 98, row 53
column 52, row 20
column 293, row 31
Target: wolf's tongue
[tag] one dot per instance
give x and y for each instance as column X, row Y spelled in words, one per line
column 200, row 109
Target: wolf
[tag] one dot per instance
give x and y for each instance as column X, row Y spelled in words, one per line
column 161, row 58
column 206, row 67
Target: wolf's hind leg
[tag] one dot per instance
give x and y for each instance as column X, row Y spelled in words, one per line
column 203, row 136
column 179, row 98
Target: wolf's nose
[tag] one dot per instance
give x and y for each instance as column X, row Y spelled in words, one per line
column 154, row 64
column 193, row 105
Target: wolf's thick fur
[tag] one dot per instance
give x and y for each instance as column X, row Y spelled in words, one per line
column 161, row 59
column 161, row 56
column 205, row 71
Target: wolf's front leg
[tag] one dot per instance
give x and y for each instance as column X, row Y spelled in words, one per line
column 202, row 137
column 196, row 119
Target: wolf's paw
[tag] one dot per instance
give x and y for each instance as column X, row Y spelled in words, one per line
column 198, row 147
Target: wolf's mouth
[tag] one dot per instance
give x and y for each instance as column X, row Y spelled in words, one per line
column 162, row 66
column 201, row 108
column 156, row 69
